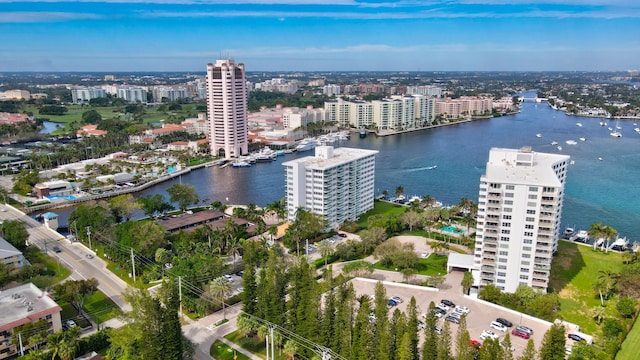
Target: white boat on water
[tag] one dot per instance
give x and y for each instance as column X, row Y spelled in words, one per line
column 581, row 236
column 616, row 134
column 571, row 142
column 568, row 233
column 583, row 139
column 306, row 144
column 620, row 244
column 431, row 167
column 559, row 148
column 610, row 128
column 240, row 163
column 554, row 143
column 636, row 130
column 538, row 135
column 603, row 123
column 579, row 124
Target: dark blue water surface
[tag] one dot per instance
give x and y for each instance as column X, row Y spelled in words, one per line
column 604, row 190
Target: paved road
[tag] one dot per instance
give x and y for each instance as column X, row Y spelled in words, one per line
column 72, row 255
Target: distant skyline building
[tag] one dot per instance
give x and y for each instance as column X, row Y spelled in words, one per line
column 84, row 95
column 519, row 213
column 227, row 108
column 337, row 183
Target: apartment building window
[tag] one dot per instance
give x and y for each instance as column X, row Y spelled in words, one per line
column 501, row 281
column 511, row 187
column 508, row 195
column 502, row 274
column 502, row 267
column 528, row 241
column 526, row 248
column 508, row 202
column 507, row 210
column 525, row 263
column 505, row 231
column 504, row 253
column 528, row 226
column 527, row 233
column 504, row 238
column 531, row 212
column 524, row 277
column 533, row 188
column 533, row 196
column 502, row 260
column 524, row 270
column 506, row 217
column 506, row 224
column 530, row 219
column 526, row 256
column 504, row 246
column 531, row 204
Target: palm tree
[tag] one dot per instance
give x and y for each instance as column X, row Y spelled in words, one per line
column 609, row 234
column 598, row 313
column 325, row 249
column 428, row 200
column 220, row 288
column 606, row 281
column 398, row 191
column 467, row 282
column 596, row 231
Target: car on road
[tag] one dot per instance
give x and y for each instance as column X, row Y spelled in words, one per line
column 56, row 249
column 523, row 328
column 449, row 303
column 518, row 333
column 462, row 309
column 89, row 256
column 504, row 322
column 342, row 235
column 397, row 299
column 498, row 326
column 568, row 350
column 424, row 255
column 239, row 273
column 575, row 337
column 453, row 319
column 228, row 277
column 488, row 334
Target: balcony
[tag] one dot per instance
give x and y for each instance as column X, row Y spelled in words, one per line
column 539, row 283
column 488, row 261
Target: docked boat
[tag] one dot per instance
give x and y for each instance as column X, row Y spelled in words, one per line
column 568, row 233
column 620, row 244
column 538, row 135
column 306, row 145
column 581, row 236
column 571, row 142
column 362, row 133
column 240, row 163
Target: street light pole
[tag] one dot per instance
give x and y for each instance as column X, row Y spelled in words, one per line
column 89, row 237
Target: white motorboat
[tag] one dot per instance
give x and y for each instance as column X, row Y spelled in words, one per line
column 559, row 148
column 616, row 134
column 583, row 139
column 603, row 123
column 579, row 124
column 240, row 163
column 620, row 244
column 572, row 162
column 610, row 128
column 306, row 145
column 554, row 143
column 538, row 135
column 581, row 236
column 636, row 130
column 568, row 233
column 571, row 142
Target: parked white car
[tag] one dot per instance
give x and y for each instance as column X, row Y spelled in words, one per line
column 496, row 325
column 442, row 307
column 488, row 334
column 462, row 309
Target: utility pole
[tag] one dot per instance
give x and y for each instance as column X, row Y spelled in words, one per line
column 180, row 293
column 133, row 264
column 89, row 237
column 45, row 247
column 272, row 343
column 267, row 341
column 21, row 347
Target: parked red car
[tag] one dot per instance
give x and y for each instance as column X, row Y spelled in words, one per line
column 522, row 334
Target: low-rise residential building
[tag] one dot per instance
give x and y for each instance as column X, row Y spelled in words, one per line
column 11, row 256
column 90, row 130
column 22, row 305
column 15, row 95
column 13, row 118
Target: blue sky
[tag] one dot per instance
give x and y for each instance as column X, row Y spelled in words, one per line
column 320, row 35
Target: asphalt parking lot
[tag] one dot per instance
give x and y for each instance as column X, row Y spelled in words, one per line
column 481, row 313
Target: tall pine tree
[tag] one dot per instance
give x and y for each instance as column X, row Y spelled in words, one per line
column 553, row 343
column 430, row 345
column 444, row 345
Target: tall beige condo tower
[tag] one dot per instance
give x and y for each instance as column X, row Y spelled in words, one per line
column 519, row 209
column 227, row 108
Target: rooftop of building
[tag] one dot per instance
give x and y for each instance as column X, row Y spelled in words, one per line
column 7, row 250
column 327, row 157
column 524, row 166
column 24, row 304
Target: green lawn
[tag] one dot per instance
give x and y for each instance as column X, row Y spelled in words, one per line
column 381, row 208
column 221, row 351
column 574, row 272
column 100, row 308
column 432, row 266
column 630, row 344
column 254, row 345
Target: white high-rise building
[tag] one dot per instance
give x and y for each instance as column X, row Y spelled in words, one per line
column 519, row 210
column 335, row 183
column 227, row 107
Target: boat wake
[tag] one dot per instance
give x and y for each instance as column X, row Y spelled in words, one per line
column 423, row 168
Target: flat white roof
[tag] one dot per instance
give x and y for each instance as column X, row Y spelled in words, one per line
column 523, row 166
column 463, row 261
column 24, row 304
column 339, row 156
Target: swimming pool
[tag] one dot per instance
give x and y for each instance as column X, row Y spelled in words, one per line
column 452, row 229
column 66, row 197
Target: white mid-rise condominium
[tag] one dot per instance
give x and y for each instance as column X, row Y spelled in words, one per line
column 84, row 95
column 519, row 210
column 227, row 107
column 337, row 184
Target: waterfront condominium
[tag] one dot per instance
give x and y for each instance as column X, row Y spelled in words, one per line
column 519, row 211
column 337, row 183
column 227, row 108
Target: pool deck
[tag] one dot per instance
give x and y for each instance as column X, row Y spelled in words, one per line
column 463, row 231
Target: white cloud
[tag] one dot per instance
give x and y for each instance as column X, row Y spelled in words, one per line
column 33, row 16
